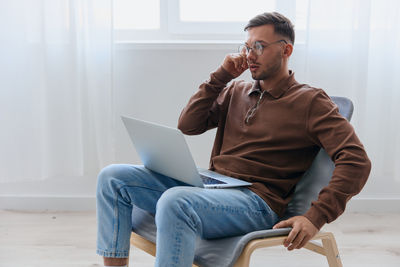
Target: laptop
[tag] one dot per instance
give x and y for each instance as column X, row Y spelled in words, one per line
column 164, row 150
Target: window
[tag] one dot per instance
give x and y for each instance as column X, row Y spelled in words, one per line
column 232, row 10
column 169, row 20
column 136, row 14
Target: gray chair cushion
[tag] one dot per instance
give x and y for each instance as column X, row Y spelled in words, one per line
column 211, row 252
column 225, row 251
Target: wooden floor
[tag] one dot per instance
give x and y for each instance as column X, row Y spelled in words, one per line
column 32, row 239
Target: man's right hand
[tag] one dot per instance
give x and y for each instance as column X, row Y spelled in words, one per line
column 235, row 64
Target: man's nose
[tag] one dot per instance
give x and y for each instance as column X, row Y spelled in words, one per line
column 251, row 55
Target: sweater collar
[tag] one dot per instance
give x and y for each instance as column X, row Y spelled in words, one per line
column 279, row 89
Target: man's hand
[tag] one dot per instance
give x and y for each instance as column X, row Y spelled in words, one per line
column 302, row 231
column 235, row 64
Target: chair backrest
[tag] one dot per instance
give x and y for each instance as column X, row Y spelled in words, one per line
column 226, row 251
column 320, row 172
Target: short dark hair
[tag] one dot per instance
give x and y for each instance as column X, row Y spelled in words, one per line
column 282, row 25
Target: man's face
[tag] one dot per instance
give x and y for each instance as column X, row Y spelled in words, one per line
column 270, row 62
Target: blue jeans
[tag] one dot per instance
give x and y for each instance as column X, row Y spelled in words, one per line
column 182, row 212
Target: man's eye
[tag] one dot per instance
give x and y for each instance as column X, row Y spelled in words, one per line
column 258, row 46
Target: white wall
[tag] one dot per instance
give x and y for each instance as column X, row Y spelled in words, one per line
column 154, row 82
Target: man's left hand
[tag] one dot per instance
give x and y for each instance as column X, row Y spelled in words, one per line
column 302, row 231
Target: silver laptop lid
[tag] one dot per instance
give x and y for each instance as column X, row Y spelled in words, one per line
column 154, row 143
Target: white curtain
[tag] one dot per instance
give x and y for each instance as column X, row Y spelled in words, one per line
column 352, row 49
column 56, row 97
column 55, row 88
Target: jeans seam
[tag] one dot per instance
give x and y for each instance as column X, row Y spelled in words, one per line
column 116, row 223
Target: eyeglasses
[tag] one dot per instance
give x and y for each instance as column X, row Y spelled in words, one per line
column 257, row 47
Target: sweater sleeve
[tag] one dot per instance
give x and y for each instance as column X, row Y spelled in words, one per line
column 205, row 106
column 328, row 129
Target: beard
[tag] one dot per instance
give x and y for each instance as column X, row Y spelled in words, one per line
column 269, row 71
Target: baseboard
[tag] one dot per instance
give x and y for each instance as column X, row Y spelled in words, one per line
column 47, row 203
column 374, row 204
column 88, row 203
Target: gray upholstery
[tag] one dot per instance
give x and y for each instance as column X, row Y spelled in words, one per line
column 225, row 251
column 319, row 173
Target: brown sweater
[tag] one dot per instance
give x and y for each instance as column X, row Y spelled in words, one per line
column 271, row 138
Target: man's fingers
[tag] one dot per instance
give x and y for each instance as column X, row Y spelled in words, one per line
column 302, row 231
column 238, row 60
column 281, row 224
column 292, row 235
column 297, row 241
column 304, row 242
column 235, row 63
column 244, row 60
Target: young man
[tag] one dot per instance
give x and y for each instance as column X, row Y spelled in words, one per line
column 268, row 133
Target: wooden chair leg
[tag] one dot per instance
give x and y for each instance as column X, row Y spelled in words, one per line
column 331, row 251
column 145, row 245
column 244, row 259
column 142, row 243
column 328, row 248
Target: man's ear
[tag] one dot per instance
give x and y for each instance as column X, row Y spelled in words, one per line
column 288, row 49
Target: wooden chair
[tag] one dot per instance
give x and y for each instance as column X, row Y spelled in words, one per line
column 236, row 251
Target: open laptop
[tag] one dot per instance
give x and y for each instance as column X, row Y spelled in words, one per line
column 164, row 150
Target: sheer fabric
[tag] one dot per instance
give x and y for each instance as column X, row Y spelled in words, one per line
column 56, row 95
column 55, row 88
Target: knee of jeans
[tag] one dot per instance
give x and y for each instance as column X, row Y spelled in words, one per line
column 175, row 207
column 106, row 175
column 175, row 200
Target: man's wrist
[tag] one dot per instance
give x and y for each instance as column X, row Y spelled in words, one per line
column 315, row 218
column 222, row 75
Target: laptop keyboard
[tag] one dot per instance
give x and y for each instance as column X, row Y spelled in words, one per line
column 209, row 180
